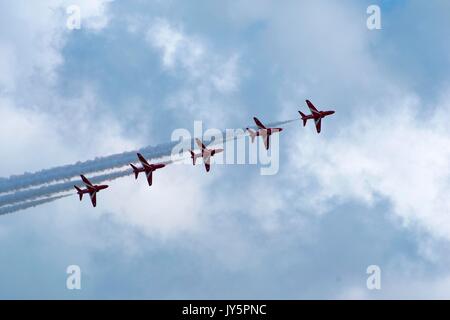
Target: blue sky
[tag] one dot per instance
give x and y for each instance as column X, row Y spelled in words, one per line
column 372, row 188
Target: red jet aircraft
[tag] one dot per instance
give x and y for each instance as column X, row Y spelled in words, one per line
column 147, row 168
column 206, row 154
column 91, row 189
column 263, row 132
column 315, row 114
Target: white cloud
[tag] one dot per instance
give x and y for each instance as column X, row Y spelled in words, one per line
column 24, row 134
column 175, row 47
column 401, row 156
column 37, row 115
column 173, row 206
column 191, row 54
column 93, row 13
column 36, row 34
column 210, row 79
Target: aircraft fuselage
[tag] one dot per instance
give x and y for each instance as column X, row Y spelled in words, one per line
column 95, row 188
column 151, row 167
column 268, row 131
column 319, row 115
column 210, row 152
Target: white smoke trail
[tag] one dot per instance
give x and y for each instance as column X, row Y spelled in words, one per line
column 48, row 190
column 66, row 172
column 17, row 182
column 30, row 204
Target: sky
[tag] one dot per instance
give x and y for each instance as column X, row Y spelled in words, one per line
column 372, row 189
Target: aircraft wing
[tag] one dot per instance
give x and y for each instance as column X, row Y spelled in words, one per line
column 157, row 166
column 142, row 160
column 194, row 157
column 266, row 140
column 149, row 175
column 86, row 181
column 200, row 144
column 318, row 124
column 93, row 198
column 207, row 162
column 258, row 123
column 311, row 107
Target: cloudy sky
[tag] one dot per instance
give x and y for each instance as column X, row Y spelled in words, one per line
column 372, row 189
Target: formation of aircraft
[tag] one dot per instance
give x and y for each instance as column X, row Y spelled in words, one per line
column 315, row 115
column 205, row 153
column 91, row 189
column 147, row 168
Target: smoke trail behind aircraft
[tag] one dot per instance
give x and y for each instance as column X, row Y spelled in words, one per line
column 46, row 176
column 16, row 199
column 69, row 171
column 30, row 204
column 45, row 191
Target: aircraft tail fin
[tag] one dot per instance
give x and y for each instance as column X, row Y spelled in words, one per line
column 193, row 157
column 80, row 193
column 303, row 117
column 135, row 170
column 252, row 134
